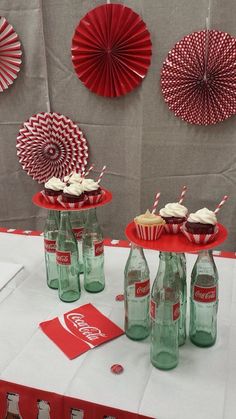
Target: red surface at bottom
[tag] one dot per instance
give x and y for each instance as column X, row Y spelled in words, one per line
column 60, row 405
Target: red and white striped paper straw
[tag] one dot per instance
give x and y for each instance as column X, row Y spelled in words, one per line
column 221, row 204
column 88, row 171
column 181, row 198
column 101, row 174
column 156, row 202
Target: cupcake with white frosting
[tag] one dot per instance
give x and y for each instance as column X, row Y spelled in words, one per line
column 53, row 188
column 201, row 226
column 174, row 215
column 92, row 190
column 149, row 226
column 73, row 178
column 202, row 221
column 73, row 196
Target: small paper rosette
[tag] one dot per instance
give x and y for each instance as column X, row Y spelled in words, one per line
column 51, row 199
column 173, row 228
column 71, row 205
column 95, row 199
column 149, row 232
column 200, row 238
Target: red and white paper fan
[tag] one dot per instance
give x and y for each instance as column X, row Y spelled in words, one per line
column 111, row 50
column 10, row 54
column 198, row 77
column 50, row 144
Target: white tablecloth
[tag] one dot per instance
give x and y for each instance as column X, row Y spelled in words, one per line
column 202, row 386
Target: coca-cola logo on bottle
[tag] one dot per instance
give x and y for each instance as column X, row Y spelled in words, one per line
column 63, row 258
column 90, row 332
column 153, row 308
column 98, row 248
column 175, row 311
column 142, row 288
column 78, row 232
column 204, row 295
column 50, row 245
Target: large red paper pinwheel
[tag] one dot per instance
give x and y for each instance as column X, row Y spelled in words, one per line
column 198, row 77
column 111, row 50
column 50, row 144
column 10, row 54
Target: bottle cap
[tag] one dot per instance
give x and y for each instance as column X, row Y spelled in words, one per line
column 120, row 297
column 117, row 369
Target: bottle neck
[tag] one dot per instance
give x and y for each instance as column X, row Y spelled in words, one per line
column 165, row 273
column 65, row 224
column 92, row 216
column 206, row 254
column 165, row 257
column 52, row 214
column 52, row 221
column 136, row 250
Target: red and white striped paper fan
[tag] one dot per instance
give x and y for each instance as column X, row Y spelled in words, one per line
column 198, row 77
column 10, row 54
column 111, row 50
column 50, row 144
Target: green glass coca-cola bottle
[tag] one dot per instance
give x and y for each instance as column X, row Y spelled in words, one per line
column 164, row 312
column 77, row 219
column 93, row 253
column 50, row 236
column 67, row 261
column 180, row 267
column 137, row 295
column 204, row 300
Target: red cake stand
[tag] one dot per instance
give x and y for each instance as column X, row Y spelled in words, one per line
column 40, row 201
column 177, row 243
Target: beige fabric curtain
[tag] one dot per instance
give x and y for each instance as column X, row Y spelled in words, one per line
column 145, row 147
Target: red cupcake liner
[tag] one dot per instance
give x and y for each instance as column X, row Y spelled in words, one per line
column 95, row 199
column 151, row 232
column 51, row 199
column 200, row 238
column 71, row 205
column 173, row 228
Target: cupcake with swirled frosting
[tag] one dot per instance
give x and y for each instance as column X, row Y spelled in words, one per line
column 53, row 188
column 174, row 215
column 73, row 196
column 202, row 221
column 149, row 226
column 201, row 226
column 92, row 190
column 73, row 178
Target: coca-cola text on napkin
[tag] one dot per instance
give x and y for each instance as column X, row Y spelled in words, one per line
column 80, row 329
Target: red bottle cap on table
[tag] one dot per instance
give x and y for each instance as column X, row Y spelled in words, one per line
column 120, row 297
column 117, row 369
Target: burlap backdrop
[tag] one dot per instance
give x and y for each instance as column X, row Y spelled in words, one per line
column 145, row 147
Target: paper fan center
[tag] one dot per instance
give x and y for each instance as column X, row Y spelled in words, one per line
column 206, row 81
column 51, row 151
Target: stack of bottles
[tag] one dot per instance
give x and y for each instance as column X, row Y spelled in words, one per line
column 161, row 312
column 73, row 243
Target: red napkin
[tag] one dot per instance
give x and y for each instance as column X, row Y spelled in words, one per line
column 80, row 329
